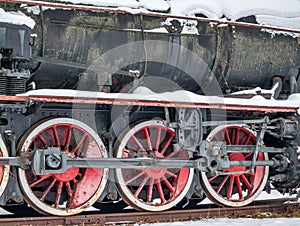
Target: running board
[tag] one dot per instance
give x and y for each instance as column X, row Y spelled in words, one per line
column 145, row 97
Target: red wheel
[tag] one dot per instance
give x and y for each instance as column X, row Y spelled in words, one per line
column 74, row 190
column 152, row 189
column 236, row 189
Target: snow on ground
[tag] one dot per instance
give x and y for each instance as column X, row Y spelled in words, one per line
column 238, row 221
column 233, row 222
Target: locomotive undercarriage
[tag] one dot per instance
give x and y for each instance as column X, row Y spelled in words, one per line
column 62, row 151
column 159, row 157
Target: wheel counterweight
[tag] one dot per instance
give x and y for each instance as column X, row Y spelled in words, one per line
column 74, row 190
column 235, row 188
column 151, row 189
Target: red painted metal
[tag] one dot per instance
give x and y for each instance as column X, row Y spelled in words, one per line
column 13, row 98
column 152, row 14
column 228, row 185
column 75, row 186
column 141, row 102
column 156, row 103
column 164, row 183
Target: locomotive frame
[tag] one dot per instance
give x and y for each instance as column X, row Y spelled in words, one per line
column 61, row 154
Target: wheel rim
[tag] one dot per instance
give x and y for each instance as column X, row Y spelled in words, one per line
column 151, row 189
column 74, row 190
column 4, row 170
column 235, row 190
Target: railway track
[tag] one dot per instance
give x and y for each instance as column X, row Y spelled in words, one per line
column 264, row 208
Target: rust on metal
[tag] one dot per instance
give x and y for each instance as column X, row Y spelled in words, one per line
column 152, row 14
column 140, row 102
column 156, row 103
column 13, row 98
column 202, row 212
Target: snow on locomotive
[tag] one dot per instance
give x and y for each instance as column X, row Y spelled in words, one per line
column 153, row 109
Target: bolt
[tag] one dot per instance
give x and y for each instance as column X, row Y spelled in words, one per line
column 53, row 160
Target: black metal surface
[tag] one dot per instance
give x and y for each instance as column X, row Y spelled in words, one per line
column 238, row 56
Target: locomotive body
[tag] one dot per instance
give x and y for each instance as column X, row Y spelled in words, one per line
column 239, row 57
column 114, row 105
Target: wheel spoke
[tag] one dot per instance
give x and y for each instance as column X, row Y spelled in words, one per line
column 246, row 140
column 247, row 156
column 239, row 187
column 68, row 138
column 246, row 182
column 222, row 184
column 172, row 154
column 56, row 137
column 42, row 178
column 237, row 135
column 212, row 178
column 230, row 188
column 78, row 145
column 50, row 136
column 138, row 191
column 233, row 135
column 139, row 145
column 158, row 137
column 160, row 191
column 171, row 174
column 150, row 190
column 42, row 140
column 167, row 144
column 147, row 136
column 135, row 177
column 69, row 189
column 167, row 183
column 58, row 194
column 48, row 189
column 227, row 137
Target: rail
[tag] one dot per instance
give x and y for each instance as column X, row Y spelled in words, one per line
column 272, row 208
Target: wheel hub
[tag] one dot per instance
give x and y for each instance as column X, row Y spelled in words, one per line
column 156, row 173
column 69, row 175
column 236, row 157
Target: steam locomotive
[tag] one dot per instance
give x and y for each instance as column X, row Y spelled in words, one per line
column 101, row 107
